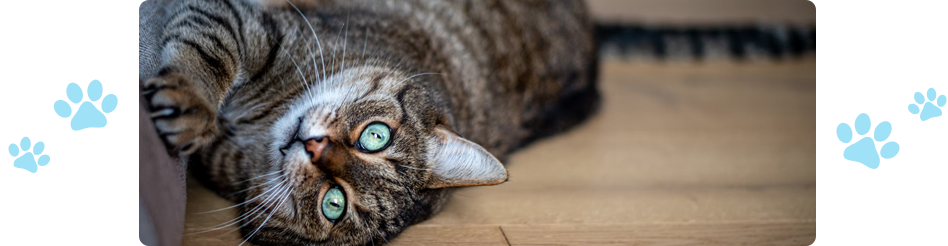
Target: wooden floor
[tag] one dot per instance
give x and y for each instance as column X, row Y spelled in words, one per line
column 718, row 153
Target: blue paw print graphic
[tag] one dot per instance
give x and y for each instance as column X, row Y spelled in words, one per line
column 88, row 116
column 864, row 151
column 28, row 161
column 929, row 110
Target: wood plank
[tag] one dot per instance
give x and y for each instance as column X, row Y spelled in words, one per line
column 592, row 204
column 198, row 219
column 451, row 234
column 771, row 233
column 699, row 124
column 686, row 142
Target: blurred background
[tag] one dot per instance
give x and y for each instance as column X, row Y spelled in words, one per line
column 706, row 136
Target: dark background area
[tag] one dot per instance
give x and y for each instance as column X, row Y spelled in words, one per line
column 95, row 150
column 922, row 143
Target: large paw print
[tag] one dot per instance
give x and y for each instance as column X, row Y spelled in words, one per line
column 88, row 116
column 929, row 110
column 864, row 151
column 27, row 161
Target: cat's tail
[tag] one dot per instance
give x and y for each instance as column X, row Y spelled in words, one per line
column 701, row 42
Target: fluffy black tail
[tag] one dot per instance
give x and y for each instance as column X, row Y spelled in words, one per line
column 699, row 42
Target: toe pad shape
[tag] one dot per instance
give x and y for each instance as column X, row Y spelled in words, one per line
column 844, row 133
column 889, row 150
column 62, row 108
column 94, row 90
column 862, row 124
column 74, row 93
column 109, row 103
column 882, row 131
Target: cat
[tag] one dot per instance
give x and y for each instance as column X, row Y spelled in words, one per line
column 343, row 122
column 334, row 122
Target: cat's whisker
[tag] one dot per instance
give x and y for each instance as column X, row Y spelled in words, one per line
column 313, row 55
column 274, row 209
column 333, row 64
column 365, row 43
column 245, row 111
column 283, row 187
column 223, row 225
column 305, row 83
column 349, row 94
column 259, row 177
column 371, row 238
column 297, row 66
column 345, row 42
column 380, row 233
column 245, row 215
column 416, row 75
column 423, row 169
column 242, row 203
column 307, row 88
column 262, row 184
column 462, row 195
column 315, row 36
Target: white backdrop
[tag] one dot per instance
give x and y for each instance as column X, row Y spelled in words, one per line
column 88, row 191
column 58, row 39
column 873, row 57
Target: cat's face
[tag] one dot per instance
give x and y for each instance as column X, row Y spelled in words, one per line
column 357, row 159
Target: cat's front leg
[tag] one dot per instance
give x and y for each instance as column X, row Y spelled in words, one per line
column 184, row 119
column 201, row 52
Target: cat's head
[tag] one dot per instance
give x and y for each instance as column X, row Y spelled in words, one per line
column 358, row 158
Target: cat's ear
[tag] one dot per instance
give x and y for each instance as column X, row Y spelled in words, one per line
column 455, row 161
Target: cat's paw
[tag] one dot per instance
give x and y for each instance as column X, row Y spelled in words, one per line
column 864, row 151
column 88, row 115
column 26, row 161
column 183, row 118
column 928, row 109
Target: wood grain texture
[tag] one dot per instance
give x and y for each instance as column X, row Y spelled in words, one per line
column 793, row 233
column 451, row 235
column 201, row 225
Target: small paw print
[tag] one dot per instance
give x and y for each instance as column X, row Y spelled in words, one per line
column 864, row 151
column 27, row 161
column 929, row 110
column 88, row 115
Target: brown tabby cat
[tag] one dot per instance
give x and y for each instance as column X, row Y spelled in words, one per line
column 343, row 122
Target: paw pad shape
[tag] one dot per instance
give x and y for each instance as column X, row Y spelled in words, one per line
column 928, row 110
column 27, row 161
column 88, row 116
column 864, row 150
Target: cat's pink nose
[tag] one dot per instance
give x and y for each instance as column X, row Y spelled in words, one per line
column 315, row 147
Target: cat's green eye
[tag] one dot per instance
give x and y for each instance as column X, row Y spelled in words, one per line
column 375, row 137
column 334, row 203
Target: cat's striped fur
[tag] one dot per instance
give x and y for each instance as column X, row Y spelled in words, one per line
column 242, row 87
